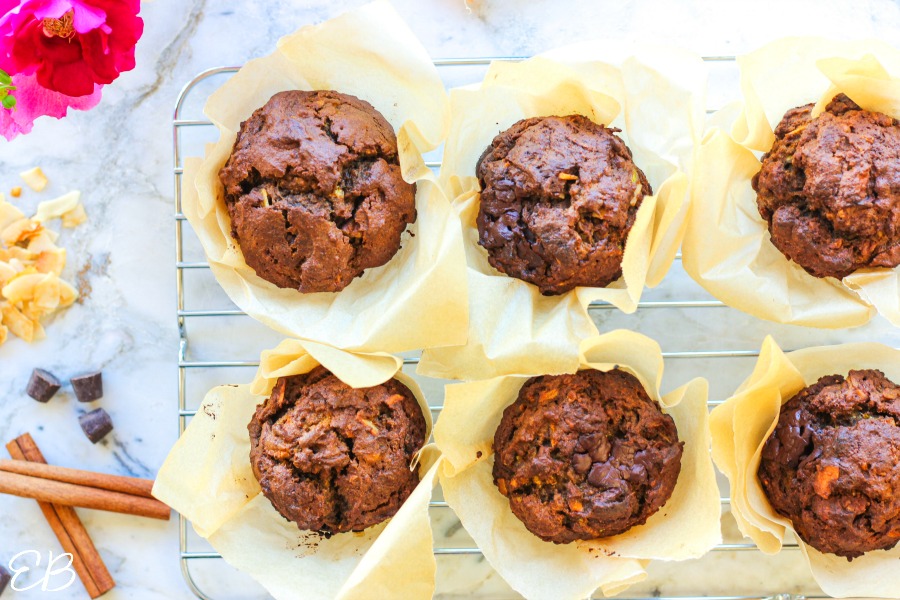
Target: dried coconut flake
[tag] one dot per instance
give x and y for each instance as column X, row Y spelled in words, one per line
column 31, row 264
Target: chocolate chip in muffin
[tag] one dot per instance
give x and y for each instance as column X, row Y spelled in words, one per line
column 332, row 458
column 585, row 456
column 829, row 189
column 832, row 464
column 559, row 196
column 314, row 190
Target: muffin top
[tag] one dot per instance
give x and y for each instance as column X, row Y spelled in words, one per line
column 314, row 190
column 585, row 456
column 558, row 198
column 830, row 189
column 332, row 458
column 832, row 464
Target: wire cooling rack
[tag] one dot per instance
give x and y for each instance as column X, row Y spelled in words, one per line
column 700, row 336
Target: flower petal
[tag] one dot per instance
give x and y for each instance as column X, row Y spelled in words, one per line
column 35, row 101
column 62, row 67
column 87, row 17
column 101, row 61
column 48, row 9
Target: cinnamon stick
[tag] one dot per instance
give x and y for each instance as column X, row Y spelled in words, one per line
column 69, row 494
column 69, row 529
column 113, row 483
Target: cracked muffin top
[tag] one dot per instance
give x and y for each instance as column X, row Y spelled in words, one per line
column 332, row 458
column 314, row 190
column 585, row 456
column 829, row 189
column 558, row 198
column 832, row 464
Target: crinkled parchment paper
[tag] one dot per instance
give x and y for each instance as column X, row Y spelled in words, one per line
column 656, row 97
column 727, row 247
column 207, row 477
column 417, row 299
column 686, row 527
column 744, row 422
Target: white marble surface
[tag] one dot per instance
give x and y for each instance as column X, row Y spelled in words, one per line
column 119, row 155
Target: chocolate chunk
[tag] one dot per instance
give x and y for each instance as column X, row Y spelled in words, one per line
column 600, row 453
column 88, row 387
column 638, row 474
column 604, row 477
column 96, row 424
column 5, row 578
column 581, row 463
column 43, row 385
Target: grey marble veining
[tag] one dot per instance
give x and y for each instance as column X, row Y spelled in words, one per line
column 119, row 155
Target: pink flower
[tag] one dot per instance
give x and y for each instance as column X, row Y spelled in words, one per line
column 34, row 101
column 70, row 45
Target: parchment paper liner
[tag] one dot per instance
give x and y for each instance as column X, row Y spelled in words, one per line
column 686, row 527
column 744, row 422
column 727, row 247
column 656, row 97
column 207, row 477
column 417, row 299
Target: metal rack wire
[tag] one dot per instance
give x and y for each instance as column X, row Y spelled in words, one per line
column 183, row 124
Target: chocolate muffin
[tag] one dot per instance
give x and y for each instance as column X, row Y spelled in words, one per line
column 314, row 190
column 585, row 456
column 830, row 189
column 332, row 458
column 832, row 464
column 558, row 198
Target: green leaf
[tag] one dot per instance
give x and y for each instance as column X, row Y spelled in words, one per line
column 4, row 77
column 9, row 102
